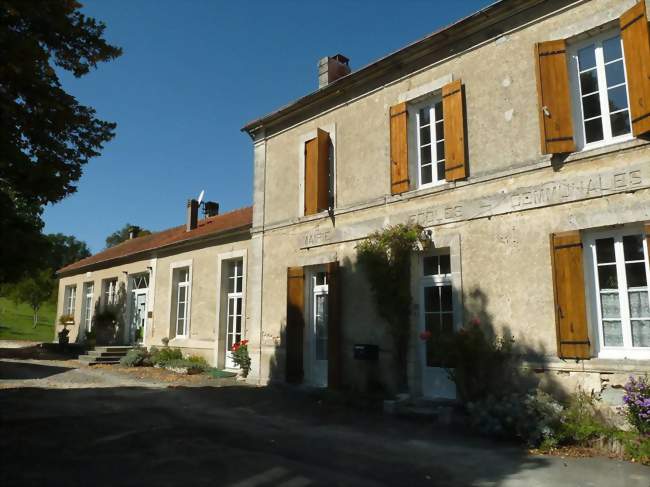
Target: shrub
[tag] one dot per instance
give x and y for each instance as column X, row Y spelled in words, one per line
column 241, row 357
column 532, row 418
column 581, row 423
column 198, row 360
column 161, row 356
column 477, row 363
column 137, row 357
column 637, row 447
column 637, row 404
column 192, row 366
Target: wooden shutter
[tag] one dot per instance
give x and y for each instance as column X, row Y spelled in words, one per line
column 453, row 110
column 647, row 234
column 311, row 176
column 323, row 185
column 295, row 323
column 554, row 98
column 317, row 173
column 334, row 334
column 399, row 160
column 636, row 44
column 569, row 294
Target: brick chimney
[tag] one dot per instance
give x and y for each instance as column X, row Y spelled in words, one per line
column 192, row 215
column 331, row 68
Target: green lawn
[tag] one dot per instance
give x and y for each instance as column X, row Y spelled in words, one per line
column 16, row 322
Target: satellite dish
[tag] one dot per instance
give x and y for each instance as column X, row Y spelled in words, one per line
column 201, row 196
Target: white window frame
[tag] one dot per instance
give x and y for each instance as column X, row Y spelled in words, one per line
column 414, row 114
column 593, row 294
column 221, row 354
column 574, row 77
column 109, row 290
column 70, row 296
column 231, row 297
column 319, row 290
column 86, row 313
column 437, row 280
column 187, row 285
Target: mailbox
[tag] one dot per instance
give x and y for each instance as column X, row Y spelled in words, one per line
column 364, row 351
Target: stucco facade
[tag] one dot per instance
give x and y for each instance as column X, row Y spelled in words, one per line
column 495, row 224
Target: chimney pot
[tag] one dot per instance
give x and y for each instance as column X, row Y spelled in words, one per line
column 192, row 215
column 331, row 68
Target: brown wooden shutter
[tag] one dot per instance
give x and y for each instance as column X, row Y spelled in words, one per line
column 323, row 185
column 334, row 333
column 399, row 154
column 569, row 294
column 647, row 234
column 311, row 176
column 295, row 323
column 453, row 109
column 554, row 98
column 636, row 44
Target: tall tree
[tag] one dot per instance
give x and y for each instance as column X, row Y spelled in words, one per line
column 34, row 290
column 64, row 250
column 119, row 236
column 46, row 135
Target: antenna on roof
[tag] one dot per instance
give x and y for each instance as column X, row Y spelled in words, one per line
column 201, row 195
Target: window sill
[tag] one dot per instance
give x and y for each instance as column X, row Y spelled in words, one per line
column 611, row 365
column 185, row 342
column 606, row 149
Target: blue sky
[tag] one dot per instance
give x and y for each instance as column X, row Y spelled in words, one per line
column 192, row 74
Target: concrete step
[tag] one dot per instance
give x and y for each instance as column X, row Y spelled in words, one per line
column 97, row 353
column 99, row 360
column 111, row 348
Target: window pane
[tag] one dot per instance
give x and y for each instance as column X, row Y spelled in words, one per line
column 588, row 82
column 445, row 265
column 587, row 57
column 438, row 109
column 447, row 323
column 430, row 265
column 431, row 299
column 635, row 274
column 432, row 323
column 445, row 298
column 440, row 149
column 633, row 247
column 182, row 293
column 440, row 130
column 607, row 278
column 441, row 171
column 593, row 130
column 424, row 116
column 639, row 307
column 612, row 333
column 239, row 284
column 425, row 154
column 612, row 49
column 610, row 305
column 617, row 98
column 641, row 333
column 427, row 175
column 620, row 123
column 425, row 135
column 591, row 105
column 614, row 73
column 605, row 250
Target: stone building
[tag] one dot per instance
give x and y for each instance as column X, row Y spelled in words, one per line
column 517, row 137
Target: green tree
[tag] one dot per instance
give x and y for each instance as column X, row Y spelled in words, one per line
column 46, row 135
column 34, row 290
column 121, row 235
column 64, row 250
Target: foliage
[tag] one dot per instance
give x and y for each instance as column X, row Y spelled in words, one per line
column 90, row 337
column 241, row 357
column 197, row 359
column 105, row 324
column 162, row 356
column 64, row 250
column 66, row 320
column 220, row 374
column 581, row 422
column 386, row 258
column 122, row 234
column 637, row 404
column 192, row 366
column 46, row 135
column 478, row 363
column 637, row 446
column 34, row 290
column 136, row 357
column 532, row 418
column 16, row 321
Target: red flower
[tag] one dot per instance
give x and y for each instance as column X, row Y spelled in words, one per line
column 244, row 342
column 235, row 346
column 475, row 321
column 425, row 335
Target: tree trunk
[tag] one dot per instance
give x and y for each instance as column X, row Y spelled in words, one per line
column 35, row 317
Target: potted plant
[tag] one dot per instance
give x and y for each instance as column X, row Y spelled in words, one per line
column 241, row 357
column 65, row 320
column 91, row 338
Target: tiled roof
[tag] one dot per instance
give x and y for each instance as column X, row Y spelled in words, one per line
column 232, row 220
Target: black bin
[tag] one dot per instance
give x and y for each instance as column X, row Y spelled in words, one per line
column 365, row 351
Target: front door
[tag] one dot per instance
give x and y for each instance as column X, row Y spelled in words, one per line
column 316, row 340
column 437, row 319
column 139, row 316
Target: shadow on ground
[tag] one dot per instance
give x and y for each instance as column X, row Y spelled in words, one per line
column 234, row 436
column 27, row 371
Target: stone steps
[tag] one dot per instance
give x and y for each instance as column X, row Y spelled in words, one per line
column 105, row 355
